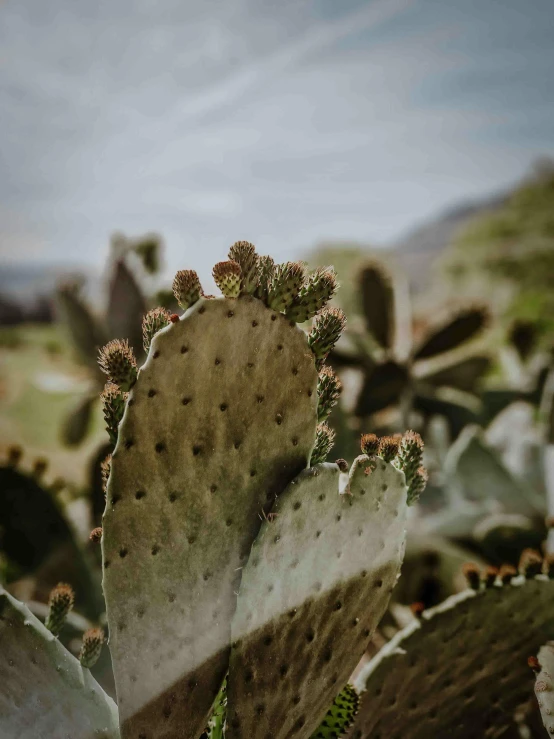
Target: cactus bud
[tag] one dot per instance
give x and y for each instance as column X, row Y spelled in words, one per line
column 326, row 331
column 105, row 467
column 472, row 575
column 244, row 253
column 228, row 276
column 417, row 609
column 342, row 464
column 410, row 455
column 369, row 444
column 60, row 602
column 117, row 360
column 417, row 485
column 388, row 447
column 329, row 388
column 324, row 440
column 530, row 563
column 490, row 575
column 266, row 268
column 314, row 295
column 113, row 407
column 284, row 285
column 14, row 455
column 534, row 664
column 507, row 574
column 91, row 647
column 40, row 465
column 174, row 318
column 549, row 566
column 187, row 288
column 153, row 321
column 96, row 535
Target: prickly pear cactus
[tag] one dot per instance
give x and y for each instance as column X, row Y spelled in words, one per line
column 544, row 686
column 460, row 670
column 315, row 588
column 46, row 693
column 220, row 419
column 340, row 716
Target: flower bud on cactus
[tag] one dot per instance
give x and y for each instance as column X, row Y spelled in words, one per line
column 228, row 276
column 96, row 535
column 329, row 388
column 266, row 269
column 342, row 464
column 324, row 440
column 410, row 455
column 490, row 575
column 314, row 295
column 187, row 288
column 534, row 664
column 285, row 284
column 417, row 485
column 326, row 331
column 417, row 609
column 369, row 444
column 117, row 360
column 91, row 647
column 154, row 321
column 60, row 602
column 530, row 563
column 507, row 574
column 113, row 407
column 244, row 253
column 388, row 447
column 472, row 575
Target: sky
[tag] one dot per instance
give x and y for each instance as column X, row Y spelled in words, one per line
column 284, row 123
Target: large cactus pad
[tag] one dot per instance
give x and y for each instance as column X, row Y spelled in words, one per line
column 461, row 669
column 45, row 693
column 315, row 587
column 221, row 418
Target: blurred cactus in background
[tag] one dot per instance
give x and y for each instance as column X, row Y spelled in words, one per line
column 407, row 371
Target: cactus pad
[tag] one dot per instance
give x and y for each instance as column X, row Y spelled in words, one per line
column 317, row 583
column 461, row 669
column 221, row 418
column 544, row 686
column 46, row 694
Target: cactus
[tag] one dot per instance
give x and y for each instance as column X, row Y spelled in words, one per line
column 340, row 716
column 460, row 669
column 316, row 585
column 45, row 692
column 544, row 685
column 437, row 375
column 218, row 420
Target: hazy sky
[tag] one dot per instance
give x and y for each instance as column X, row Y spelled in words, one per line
column 284, row 123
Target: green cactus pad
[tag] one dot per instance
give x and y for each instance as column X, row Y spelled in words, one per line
column 315, row 587
column 45, row 693
column 544, row 686
column 340, row 716
column 461, row 669
column 221, row 418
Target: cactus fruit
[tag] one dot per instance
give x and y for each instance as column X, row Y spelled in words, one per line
column 459, row 670
column 91, row 647
column 316, row 585
column 209, row 437
column 228, row 276
column 187, row 288
column 544, row 685
column 117, row 360
column 60, row 604
column 340, row 716
column 284, row 285
column 153, row 321
column 45, row 692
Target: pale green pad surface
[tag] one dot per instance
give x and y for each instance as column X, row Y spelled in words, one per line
column 461, row 671
column 44, row 691
column 221, row 418
column 315, row 587
column 544, row 686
